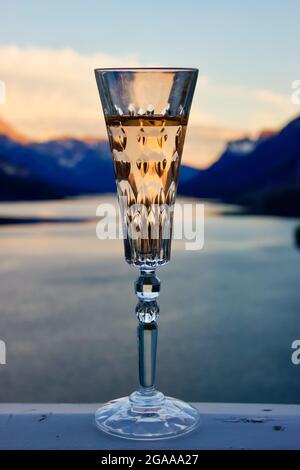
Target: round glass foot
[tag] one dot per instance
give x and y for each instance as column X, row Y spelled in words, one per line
column 147, row 417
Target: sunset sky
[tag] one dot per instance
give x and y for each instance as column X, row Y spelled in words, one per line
column 247, row 54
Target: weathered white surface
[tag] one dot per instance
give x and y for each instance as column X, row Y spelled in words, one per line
column 224, row 426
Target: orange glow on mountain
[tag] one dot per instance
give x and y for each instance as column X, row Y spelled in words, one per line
column 7, row 130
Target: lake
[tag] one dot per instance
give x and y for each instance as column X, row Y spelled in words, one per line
column 229, row 312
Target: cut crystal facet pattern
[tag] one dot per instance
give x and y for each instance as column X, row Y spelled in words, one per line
column 146, row 155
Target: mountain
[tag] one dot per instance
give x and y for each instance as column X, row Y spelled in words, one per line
column 263, row 175
column 7, row 130
column 251, row 172
column 56, row 168
column 186, row 174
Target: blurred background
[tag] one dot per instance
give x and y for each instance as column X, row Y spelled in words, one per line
column 230, row 312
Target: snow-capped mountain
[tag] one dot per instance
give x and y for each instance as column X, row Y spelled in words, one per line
column 56, row 168
column 247, row 166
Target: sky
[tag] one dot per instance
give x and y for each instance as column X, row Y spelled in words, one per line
column 247, row 54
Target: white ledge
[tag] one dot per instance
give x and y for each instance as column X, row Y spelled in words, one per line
column 224, row 426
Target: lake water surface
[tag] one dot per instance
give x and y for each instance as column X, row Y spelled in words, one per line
column 229, row 312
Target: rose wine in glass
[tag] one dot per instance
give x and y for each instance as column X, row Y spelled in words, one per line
column 146, row 154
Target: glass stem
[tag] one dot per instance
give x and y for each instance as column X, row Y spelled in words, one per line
column 147, row 288
column 147, row 341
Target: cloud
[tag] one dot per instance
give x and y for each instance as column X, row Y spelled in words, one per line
column 204, row 143
column 245, row 93
column 53, row 92
column 250, row 108
column 280, row 101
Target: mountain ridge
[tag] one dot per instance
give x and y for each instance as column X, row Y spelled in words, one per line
column 263, row 175
column 270, row 167
column 9, row 131
column 56, row 168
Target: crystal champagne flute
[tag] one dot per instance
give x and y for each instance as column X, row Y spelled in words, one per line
column 146, row 112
